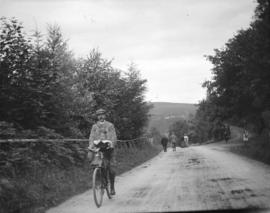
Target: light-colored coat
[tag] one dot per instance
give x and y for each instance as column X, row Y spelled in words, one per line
column 102, row 131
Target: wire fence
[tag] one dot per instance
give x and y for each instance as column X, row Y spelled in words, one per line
column 121, row 144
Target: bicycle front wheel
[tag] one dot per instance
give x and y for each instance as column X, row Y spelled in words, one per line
column 98, row 189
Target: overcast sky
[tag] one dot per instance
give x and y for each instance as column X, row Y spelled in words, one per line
column 167, row 39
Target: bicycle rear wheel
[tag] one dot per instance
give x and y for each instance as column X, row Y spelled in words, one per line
column 98, row 189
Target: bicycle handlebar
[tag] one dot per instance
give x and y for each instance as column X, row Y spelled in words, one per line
column 101, row 146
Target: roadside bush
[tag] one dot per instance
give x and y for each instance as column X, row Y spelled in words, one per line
column 7, row 130
column 53, row 174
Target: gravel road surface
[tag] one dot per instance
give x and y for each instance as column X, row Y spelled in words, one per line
column 204, row 177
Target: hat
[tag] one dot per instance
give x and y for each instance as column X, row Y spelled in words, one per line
column 100, row 111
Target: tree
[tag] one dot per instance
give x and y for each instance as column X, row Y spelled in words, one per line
column 16, row 75
column 61, row 69
column 156, row 135
column 240, row 86
column 42, row 84
column 99, row 85
column 179, row 128
column 133, row 110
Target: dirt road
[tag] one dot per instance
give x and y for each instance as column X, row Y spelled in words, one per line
column 194, row 178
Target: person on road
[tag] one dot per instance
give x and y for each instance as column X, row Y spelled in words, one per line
column 173, row 141
column 104, row 130
column 164, row 142
column 186, row 140
column 227, row 133
column 245, row 137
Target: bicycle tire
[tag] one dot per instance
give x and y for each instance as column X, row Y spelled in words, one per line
column 98, row 189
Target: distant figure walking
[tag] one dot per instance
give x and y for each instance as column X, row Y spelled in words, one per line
column 245, row 137
column 186, row 140
column 173, row 141
column 164, row 142
column 227, row 133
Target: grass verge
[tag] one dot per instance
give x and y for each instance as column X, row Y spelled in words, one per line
column 257, row 148
column 44, row 187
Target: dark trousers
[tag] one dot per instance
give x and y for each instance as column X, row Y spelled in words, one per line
column 164, row 147
column 174, row 146
column 110, row 156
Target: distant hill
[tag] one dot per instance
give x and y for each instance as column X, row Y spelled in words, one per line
column 163, row 114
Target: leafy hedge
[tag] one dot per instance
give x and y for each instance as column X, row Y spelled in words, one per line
column 35, row 176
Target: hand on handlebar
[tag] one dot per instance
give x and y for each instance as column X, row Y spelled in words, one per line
column 93, row 149
column 101, row 144
column 110, row 146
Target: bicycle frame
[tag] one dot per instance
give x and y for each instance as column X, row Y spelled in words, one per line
column 98, row 159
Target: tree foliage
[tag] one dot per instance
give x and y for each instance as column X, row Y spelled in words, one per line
column 179, row 128
column 42, row 84
column 239, row 91
column 16, row 76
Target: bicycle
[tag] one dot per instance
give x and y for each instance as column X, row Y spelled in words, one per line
column 101, row 181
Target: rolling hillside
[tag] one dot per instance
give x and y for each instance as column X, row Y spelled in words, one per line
column 163, row 114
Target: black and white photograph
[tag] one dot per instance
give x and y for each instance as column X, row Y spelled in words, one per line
column 134, row 106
